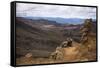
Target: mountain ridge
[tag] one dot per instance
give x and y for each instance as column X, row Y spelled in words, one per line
column 60, row 20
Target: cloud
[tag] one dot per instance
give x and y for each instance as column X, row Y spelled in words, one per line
column 40, row 10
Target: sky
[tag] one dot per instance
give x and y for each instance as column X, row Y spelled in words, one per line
column 44, row 10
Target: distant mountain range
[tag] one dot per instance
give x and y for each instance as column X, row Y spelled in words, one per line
column 61, row 20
